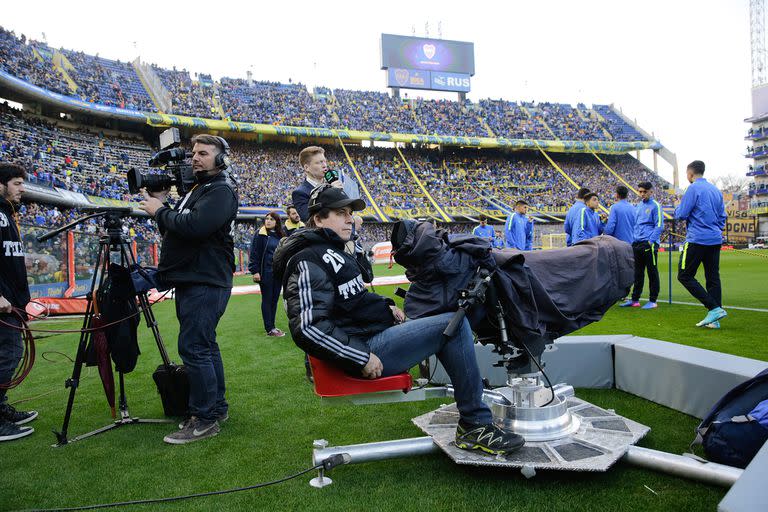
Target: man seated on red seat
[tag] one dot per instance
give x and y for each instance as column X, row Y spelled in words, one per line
column 333, row 316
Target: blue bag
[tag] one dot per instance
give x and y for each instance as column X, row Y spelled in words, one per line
column 737, row 426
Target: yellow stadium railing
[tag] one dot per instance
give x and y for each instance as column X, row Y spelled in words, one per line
column 630, row 187
column 445, row 217
column 359, row 177
column 564, row 174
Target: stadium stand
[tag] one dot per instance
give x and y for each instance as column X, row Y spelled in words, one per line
column 373, row 111
column 30, row 61
column 95, row 164
column 463, row 182
column 273, row 103
column 616, row 126
column 114, row 83
column 444, row 117
column 109, row 82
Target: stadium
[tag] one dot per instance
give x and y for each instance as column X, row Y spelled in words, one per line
column 423, row 149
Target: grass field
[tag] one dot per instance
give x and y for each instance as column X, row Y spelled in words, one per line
column 275, row 417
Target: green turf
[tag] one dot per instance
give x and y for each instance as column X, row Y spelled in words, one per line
column 275, row 417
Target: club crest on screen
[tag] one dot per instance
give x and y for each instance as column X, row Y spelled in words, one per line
column 429, row 50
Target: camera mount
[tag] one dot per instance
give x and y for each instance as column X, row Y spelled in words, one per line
column 112, row 245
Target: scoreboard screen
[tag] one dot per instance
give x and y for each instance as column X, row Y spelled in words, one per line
column 419, row 53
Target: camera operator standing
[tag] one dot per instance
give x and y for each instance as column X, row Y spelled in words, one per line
column 197, row 258
column 14, row 293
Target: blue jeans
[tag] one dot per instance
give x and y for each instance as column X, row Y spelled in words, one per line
column 403, row 346
column 270, row 294
column 11, row 350
column 199, row 308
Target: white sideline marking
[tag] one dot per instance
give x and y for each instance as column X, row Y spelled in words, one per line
column 740, row 308
column 250, row 289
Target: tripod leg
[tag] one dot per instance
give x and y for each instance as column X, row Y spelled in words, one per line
column 73, row 382
column 149, row 316
column 123, row 399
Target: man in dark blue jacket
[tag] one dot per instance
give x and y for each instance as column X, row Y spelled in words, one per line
column 621, row 219
column 589, row 222
column 574, row 215
column 703, row 209
column 648, row 227
column 518, row 230
column 483, row 230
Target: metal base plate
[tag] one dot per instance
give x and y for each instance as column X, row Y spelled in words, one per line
column 602, row 438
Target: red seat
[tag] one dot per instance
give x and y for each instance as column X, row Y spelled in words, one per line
column 332, row 382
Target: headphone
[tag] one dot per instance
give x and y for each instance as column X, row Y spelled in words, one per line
column 222, row 159
column 313, row 197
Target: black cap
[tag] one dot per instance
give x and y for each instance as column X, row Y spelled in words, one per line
column 328, row 196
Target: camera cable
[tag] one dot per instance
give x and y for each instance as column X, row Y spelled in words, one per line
column 326, row 465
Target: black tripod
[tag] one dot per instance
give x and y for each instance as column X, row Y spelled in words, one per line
column 113, row 241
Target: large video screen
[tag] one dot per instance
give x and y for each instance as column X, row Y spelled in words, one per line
column 427, row 54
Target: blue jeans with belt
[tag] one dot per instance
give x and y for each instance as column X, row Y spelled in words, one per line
column 403, row 346
column 199, row 308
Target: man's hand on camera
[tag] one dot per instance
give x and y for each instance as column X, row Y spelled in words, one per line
column 397, row 314
column 256, row 277
column 374, row 367
column 337, row 184
column 152, row 201
column 6, row 307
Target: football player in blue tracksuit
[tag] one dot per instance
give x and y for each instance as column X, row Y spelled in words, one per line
column 649, row 224
column 518, row 230
column 483, row 230
column 621, row 219
column 589, row 224
column 573, row 214
column 703, row 209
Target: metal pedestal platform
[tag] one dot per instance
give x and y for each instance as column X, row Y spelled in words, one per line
column 598, row 439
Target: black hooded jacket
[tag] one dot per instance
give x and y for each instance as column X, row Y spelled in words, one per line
column 331, row 313
column 197, row 235
column 13, row 271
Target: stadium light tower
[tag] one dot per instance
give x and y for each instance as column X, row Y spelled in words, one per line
column 757, row 33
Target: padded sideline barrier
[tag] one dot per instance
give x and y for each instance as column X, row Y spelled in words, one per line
column 581, row 361
column 749, row 493
column 687, row 379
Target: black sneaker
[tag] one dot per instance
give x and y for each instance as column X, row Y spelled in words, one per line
column 10, row 431
column 9, row 413
column 194, row 429
column 221, row 418
column 489, row 438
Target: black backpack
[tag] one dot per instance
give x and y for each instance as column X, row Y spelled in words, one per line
column 117, row 303
column 737, row 426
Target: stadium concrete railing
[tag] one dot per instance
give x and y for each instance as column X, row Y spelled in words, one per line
column 26, row 90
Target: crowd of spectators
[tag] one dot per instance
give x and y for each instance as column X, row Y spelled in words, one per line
column 568, row 123
column 18, row 58
column 109, row 82
column 271, row 103
column 188, row 97
column 116, row 83
column 75, row 160
column 373, row 111
column 508, row 119
column 445, row 117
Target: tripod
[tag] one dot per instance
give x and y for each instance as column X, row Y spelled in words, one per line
column 114, row 241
